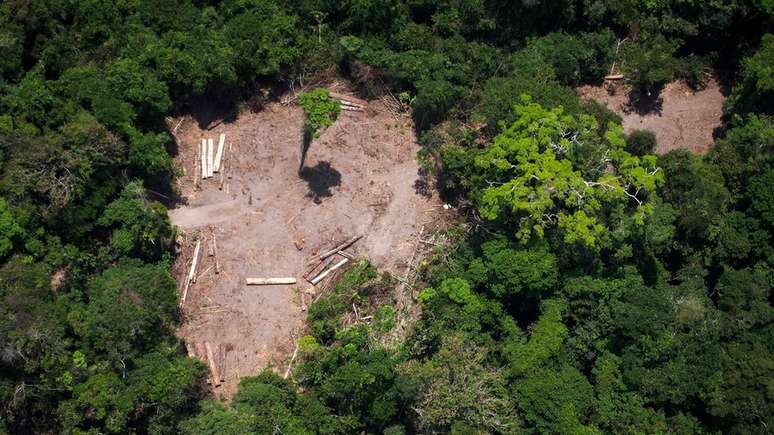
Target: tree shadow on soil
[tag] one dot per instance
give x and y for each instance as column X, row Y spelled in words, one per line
column 643, row 104
column 320, row 179
column 422, row 185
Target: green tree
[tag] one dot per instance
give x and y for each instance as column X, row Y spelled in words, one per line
column 139, row 226
column 321, row 110
column 9, row 229
column 129, row 310
column 551, row 170
column 754, row 89
column 649, row 64
column 641, row 142
column 455, row 386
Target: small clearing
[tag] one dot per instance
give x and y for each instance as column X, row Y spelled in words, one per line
column 681, row 118
column 360, row 177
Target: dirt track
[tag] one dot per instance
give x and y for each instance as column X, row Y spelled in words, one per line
column 359, row 178
column 684, row 119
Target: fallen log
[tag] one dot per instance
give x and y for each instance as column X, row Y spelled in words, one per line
column 209, row 157
column 222, row 362
column 230, row 156
column 347, row 103
column 215, row 124
column 614, row 77
column 199, row 351
column 192, row 272
column 190, row 349
column 316, row 267
column 349, row 98
column 320, row 277
column 410, row 264
column 269, row 281
column 350, row 108
column 204, row 158
column 214, row 374
column 196, row 167
column 215, row 252
column 341, row 247
column 290, row 364
column 346, row 254
column 219, row 153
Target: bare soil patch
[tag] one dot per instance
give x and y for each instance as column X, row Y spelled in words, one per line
column 681, row 118
column 269, row 220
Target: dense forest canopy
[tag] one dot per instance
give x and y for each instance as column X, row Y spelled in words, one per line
column 592, row 287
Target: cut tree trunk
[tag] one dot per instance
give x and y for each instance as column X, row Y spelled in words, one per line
column 192, row 272
column 204, row 158
column 222, row 362
column 341, row 247
column 215, row 252
column 320, row 277
column 209, row 157
column 269, row 281
column 219, row 153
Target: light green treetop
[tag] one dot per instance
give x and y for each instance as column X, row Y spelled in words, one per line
column 549, row 170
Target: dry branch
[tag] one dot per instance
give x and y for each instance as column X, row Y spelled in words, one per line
column 341, row 247
column 290, row 364
column 214, row 374
column 316, row 267
column 410, row 264
column 199, row 351
column 215, row 124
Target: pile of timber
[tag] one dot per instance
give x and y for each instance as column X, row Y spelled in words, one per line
column 196, row 259
column 191, row 277
column 348, row 103
column 214, row 357
column 350, row 106
column 319, row 265
column 211, row 157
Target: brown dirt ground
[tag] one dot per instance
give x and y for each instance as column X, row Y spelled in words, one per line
column 360, row 179
column 685, row 118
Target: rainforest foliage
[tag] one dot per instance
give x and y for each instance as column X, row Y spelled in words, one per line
column 592, row 288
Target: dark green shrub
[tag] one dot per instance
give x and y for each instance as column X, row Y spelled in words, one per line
column 693, row 69
column 641, row 142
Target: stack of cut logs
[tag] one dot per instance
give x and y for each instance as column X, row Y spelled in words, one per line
column 215, row 358
column 350, row 106
column 212, row 158
column 192, row 274
column 318, row 266
column 348, row 103
column 317, row 271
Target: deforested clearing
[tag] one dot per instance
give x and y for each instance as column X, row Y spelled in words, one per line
column 680, row 117
column 269, row 218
